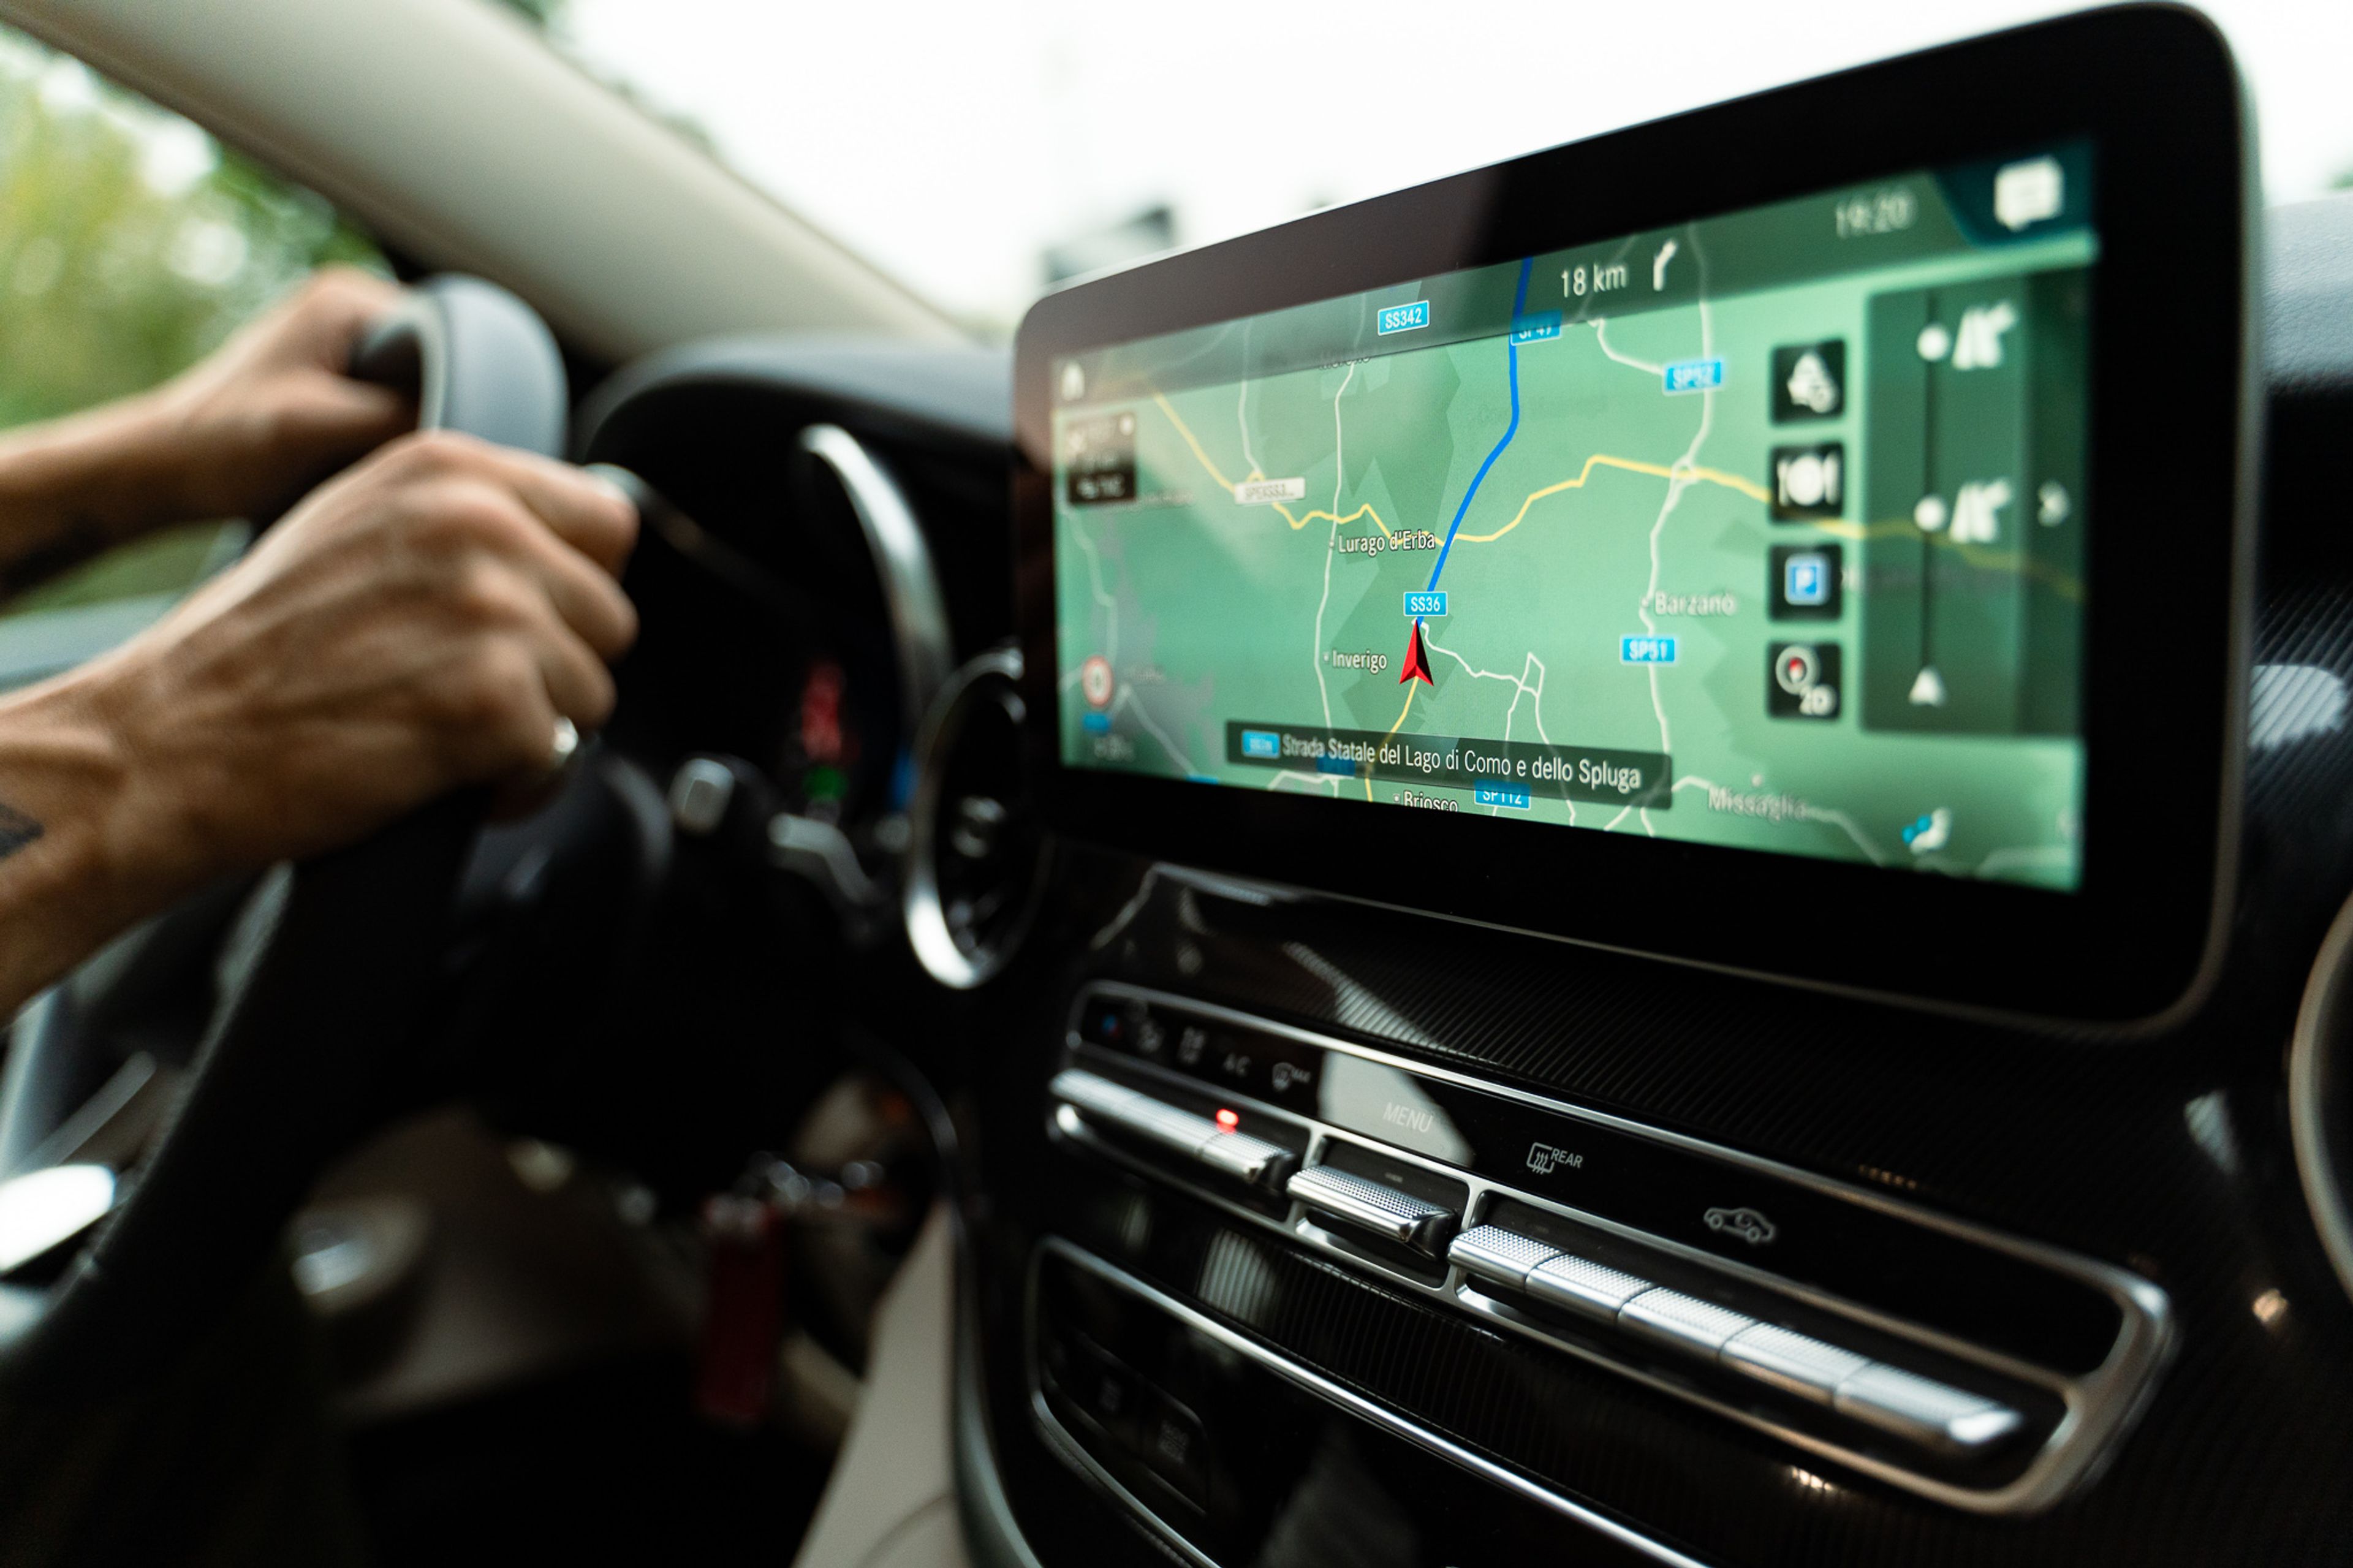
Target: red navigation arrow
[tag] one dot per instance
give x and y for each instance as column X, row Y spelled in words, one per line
column 1416, row 662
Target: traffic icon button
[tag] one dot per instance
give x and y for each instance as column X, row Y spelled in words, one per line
column 1805, row 683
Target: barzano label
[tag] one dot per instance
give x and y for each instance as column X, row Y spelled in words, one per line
column 1265, row 492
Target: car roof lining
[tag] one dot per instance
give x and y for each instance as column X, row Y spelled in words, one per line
column 453, row 133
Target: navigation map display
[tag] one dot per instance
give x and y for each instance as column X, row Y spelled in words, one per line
column 1766, row 531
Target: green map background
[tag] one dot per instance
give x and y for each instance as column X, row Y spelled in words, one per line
column 1209, row 609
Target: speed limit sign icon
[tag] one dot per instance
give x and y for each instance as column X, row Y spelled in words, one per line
column 1094, row 681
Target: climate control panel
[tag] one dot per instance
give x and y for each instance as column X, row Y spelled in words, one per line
column 1984, row 1370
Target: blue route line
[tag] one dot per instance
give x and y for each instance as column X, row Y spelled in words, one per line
column 1511, row 351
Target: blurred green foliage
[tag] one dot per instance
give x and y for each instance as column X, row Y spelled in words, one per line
column 131, row 242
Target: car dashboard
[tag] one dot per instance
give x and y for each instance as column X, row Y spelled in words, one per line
column 1297, row 1228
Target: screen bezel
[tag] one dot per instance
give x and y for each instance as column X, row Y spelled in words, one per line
column 2154, row 89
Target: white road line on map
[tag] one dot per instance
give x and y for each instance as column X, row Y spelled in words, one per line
column 1522, row 689
column 1241, row 406
column 1841, row 819
column 1813, row 813
column 1339, row 438
column 1675, row 489
column 1997, row 861
column 1318, row 780
column 1600, row 324
column 1429, row 642
column 1536, row 704
column 1330, row 548
column 1509, row 714
column 1641, row 813
column 1110, row 604
column 1497, row 809
column 1127, row 700
column 1542, row 673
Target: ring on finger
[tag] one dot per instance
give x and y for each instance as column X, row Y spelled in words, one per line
column 562, row 745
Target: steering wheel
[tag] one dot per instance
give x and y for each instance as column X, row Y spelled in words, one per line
column 324, row 971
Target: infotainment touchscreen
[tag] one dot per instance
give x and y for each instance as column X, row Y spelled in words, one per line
column 1811, row 535
column 1764, row 529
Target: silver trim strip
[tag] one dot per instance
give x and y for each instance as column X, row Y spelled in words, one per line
column 910, row 587
column 1074, row 1454
column 1314, row 1383
column 2099, row 1404
column 2307, row 1069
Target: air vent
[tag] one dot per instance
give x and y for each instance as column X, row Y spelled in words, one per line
column 974, row 861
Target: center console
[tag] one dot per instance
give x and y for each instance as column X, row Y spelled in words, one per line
column 1603, row 708
column 1981, row 1371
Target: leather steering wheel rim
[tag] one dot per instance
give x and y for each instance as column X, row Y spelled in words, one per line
column 344, row 946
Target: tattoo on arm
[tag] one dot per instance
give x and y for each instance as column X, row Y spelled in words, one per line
column 16, row 830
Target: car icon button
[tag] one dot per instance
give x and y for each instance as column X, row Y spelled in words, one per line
column 1741, row 1225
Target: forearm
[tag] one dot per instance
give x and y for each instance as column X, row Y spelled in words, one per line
column 72, row 488
column 64, row 887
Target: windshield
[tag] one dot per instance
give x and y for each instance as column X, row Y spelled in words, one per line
column 981, row 153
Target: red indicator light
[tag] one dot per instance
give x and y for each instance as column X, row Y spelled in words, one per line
column 1228, row 1120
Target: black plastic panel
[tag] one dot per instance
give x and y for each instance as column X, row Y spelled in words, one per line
column 1246, row 1466
column 2169, row 1159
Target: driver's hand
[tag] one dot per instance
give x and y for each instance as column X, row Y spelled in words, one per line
column 418, row 624
column 271, row 412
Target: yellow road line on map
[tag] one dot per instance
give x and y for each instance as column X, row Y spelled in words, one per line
column 1706, row 476
column 1749, row 487
column 2060, row 583
column 1394, row 729
column 1364, row 510
column 1296, row 522
column 1184, row 431
column 1976, row 555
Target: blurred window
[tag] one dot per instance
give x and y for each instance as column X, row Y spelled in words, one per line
column 980, row 152
column 131, row 244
